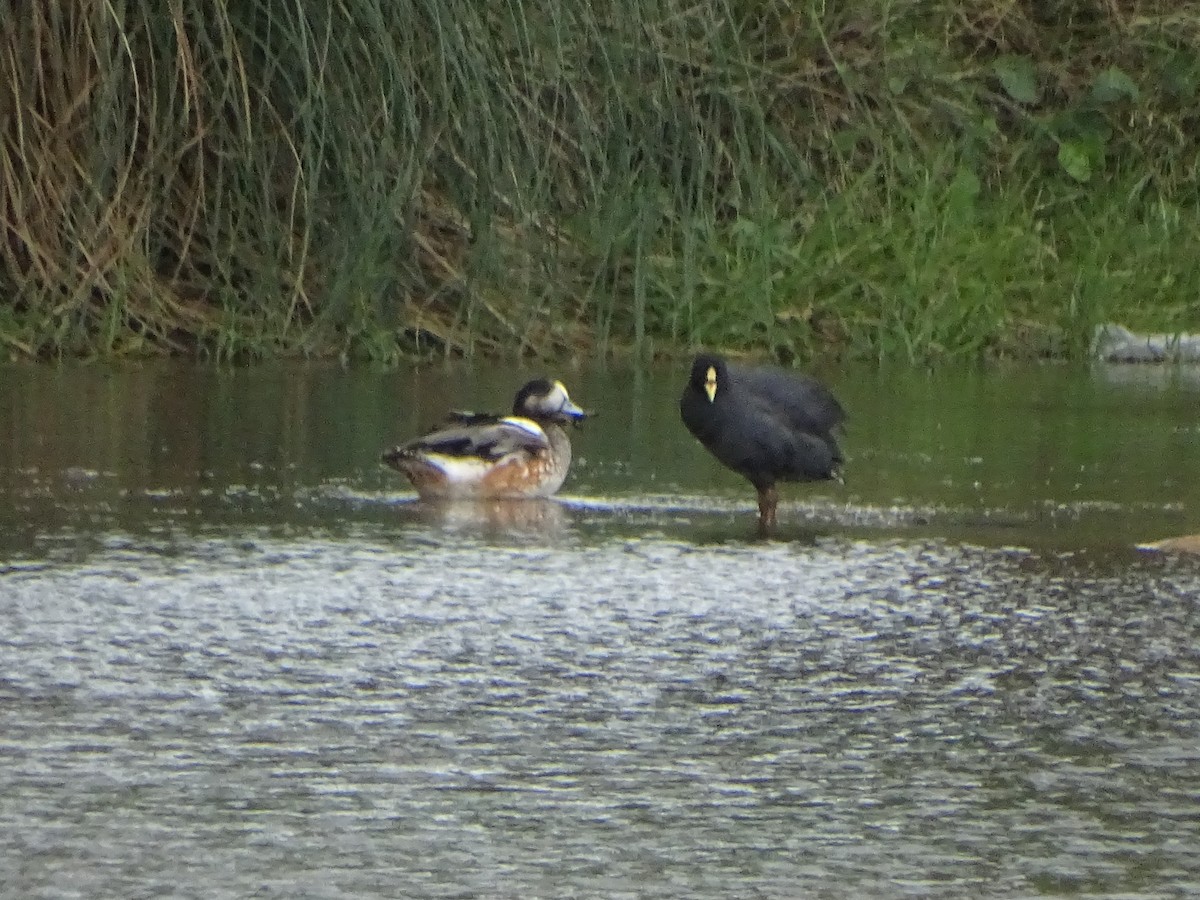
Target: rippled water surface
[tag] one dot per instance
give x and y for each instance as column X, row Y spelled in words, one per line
column 239, row 659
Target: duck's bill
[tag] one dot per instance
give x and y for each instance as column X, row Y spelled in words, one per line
column 572, row 412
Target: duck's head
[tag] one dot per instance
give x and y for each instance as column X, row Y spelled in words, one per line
column 709, row 375
column 547, row 401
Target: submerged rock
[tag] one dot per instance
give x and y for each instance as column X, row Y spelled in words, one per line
column 1116, row 343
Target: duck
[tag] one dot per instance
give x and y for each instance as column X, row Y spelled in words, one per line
column 765, row 423
column 488, row 457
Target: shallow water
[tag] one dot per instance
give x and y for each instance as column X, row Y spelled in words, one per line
column 240, row 661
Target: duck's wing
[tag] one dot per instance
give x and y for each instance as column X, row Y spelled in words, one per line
column 801, row 402
column 468, row 417
column 481, row 436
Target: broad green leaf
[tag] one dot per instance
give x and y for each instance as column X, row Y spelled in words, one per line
column 1018, row 77
column 1113, row 84
column 1075, row 160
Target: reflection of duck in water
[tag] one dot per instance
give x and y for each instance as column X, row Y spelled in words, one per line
column 482, row 456
column 766, row 424
column 1188, row 543
column 536, row 516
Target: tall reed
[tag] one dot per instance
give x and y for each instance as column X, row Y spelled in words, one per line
column 387, row 179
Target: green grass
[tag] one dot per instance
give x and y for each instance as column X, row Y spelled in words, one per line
column 381, row 180
column 921, row 264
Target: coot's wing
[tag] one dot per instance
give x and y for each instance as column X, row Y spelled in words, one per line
column 750, row 435
column 803, row 403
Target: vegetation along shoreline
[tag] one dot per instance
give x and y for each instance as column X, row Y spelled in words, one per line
column 912, row 181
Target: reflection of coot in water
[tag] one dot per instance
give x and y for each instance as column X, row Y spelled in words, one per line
column 766, row 424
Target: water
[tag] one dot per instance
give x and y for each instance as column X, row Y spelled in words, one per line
column 238, row 660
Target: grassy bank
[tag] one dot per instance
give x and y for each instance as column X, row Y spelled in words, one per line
column 385, row 180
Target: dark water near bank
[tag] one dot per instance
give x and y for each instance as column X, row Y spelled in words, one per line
column 238, row 660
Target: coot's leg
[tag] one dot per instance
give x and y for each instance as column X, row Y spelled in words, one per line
column 768, row 500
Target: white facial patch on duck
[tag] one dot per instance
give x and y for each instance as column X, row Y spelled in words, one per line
column 551, row 402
